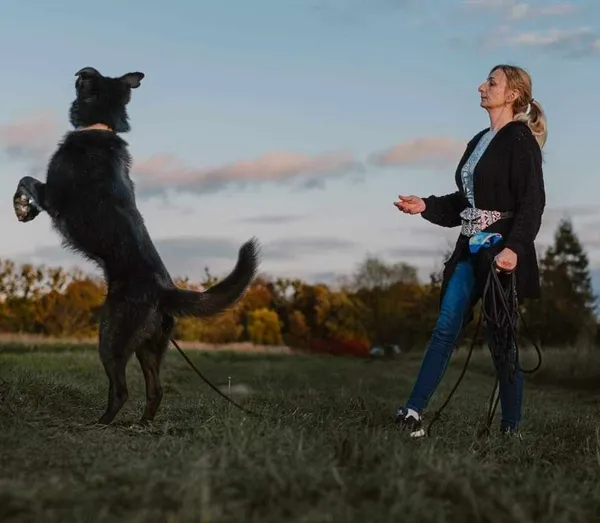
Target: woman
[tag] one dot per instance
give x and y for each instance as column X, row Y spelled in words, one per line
column 501, row 170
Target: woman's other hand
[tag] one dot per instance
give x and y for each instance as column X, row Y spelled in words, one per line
column 506, row 260
column 410, row 204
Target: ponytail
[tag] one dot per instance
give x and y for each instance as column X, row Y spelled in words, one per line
column 533, row 116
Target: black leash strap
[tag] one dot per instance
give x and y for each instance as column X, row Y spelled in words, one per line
column 500, row 310
column 209, row 383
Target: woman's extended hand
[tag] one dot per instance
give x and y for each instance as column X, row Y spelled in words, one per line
column 506, row 260
column 410, row 204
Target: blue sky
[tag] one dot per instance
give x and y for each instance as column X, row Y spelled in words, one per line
column 267, row 118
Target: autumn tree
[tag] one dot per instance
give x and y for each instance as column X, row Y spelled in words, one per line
column 373, row 274
column 296, row 331
column 264, row 327
column 22, row 286
column 340, row 315
column 74, row 312
column 393, row 301
column 329, row 314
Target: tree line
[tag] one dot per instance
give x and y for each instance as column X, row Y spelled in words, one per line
column 381, row 304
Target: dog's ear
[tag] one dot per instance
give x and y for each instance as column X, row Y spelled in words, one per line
column 87, row 72
column 133, row 80
column 86, row 78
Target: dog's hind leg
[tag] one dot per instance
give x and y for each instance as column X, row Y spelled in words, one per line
column 115, row 368
column 150, row 356
column 124, row 327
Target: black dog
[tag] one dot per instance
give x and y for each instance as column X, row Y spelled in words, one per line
column 91, row 201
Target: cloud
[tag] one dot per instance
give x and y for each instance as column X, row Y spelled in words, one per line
column 188, row 256
column 568, row 42
column 327, row 277
column 419, row 252
column 356, row 12
column 31, row 137
column 162, row 173
column 421, row 151
column 323, row 277
column 273, row 219
column 35, row 136
column 182, row 256
column 516, row 10
column 488, row 4
column 294, row 248
column 522, row 11
column 556, row 213
column 197, row 247
column 165, row 172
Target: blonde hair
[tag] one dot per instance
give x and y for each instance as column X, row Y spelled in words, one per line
column 525, row 108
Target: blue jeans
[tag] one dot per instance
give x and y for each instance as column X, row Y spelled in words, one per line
column 454, row 308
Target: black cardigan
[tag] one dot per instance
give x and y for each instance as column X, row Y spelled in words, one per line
column 508, row 177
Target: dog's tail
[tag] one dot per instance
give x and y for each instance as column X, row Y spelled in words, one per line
column 219, row 297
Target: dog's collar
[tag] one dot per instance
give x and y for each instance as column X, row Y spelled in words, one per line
column 95, row 127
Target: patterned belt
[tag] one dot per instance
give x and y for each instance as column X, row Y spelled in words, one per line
column 476, row 220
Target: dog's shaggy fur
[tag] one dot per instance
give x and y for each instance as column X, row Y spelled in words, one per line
column 91, row 201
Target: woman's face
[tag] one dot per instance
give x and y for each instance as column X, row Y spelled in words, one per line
column 493, row 91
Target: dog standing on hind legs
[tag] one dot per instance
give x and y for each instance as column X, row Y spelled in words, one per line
column 90, row 199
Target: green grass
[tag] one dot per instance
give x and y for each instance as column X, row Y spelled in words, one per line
column 327, row 450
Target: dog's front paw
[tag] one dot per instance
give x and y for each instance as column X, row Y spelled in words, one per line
column 25, row 207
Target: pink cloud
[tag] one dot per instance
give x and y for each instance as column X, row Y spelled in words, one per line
column 421, row 151
column 165, row 171
column 33, row 136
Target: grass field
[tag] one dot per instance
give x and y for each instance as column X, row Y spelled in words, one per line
column 327, row 450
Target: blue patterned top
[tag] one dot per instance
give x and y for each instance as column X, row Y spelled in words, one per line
column 468, row 169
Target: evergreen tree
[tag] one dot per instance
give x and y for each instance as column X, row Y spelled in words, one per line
column 565, row 315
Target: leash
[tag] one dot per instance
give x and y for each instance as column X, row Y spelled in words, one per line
column 504, row 320
column 503, row 317
column 500, row 309
column 210, row 384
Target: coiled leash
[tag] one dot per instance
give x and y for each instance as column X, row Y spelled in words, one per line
column 210, row 384
column 500, row 309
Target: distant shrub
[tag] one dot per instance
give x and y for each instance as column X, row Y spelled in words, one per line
column 357, row 348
